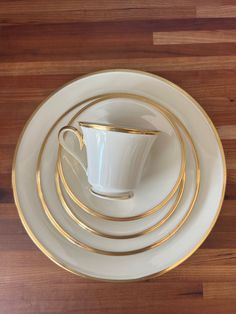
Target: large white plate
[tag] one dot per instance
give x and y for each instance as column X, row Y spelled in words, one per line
column 149, row 263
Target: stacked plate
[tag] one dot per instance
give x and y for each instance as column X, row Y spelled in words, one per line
column 167, row 215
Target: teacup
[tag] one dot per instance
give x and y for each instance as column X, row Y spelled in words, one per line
column 115, row 156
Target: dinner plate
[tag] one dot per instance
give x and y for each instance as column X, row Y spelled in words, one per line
column 164, row 169
column 79, row 236
column 149, row 263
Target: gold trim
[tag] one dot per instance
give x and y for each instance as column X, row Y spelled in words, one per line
column 113, row 128
column 57, row 260
column 76, row 132
column 85, row 226
column 121, row 196
column 96, row 213
column 79, row 243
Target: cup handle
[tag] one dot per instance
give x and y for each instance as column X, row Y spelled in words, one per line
column 64, row 145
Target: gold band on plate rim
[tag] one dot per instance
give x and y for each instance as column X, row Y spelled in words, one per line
column 157, row 207
column 114, row 128
column 79, row 243
column 58, row 260
column 85, row 226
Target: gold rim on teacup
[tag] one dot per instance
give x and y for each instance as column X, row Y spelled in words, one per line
column 114, row 128
column 155, row 208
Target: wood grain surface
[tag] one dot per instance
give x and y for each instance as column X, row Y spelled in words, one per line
column 44, row 44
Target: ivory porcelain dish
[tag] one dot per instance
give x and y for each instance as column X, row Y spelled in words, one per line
column 149, row 263
column 163, row 170
column 79, row 236
column 114, row 229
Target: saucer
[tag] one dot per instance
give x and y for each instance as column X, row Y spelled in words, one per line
column 114, row 229
column 162, row 174
column 149, row 263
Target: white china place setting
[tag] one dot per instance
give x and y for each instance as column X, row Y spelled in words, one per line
column 119, row 175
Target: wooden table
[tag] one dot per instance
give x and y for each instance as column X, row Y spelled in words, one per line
column 44, row 44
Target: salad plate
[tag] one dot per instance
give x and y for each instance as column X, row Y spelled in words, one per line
column 80, row 237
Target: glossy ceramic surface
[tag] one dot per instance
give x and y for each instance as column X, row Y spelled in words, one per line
column 74, row 232
column 163, row 170
column 112, row 229
column 115, row 159
column 109, row 246
column 149, row 263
